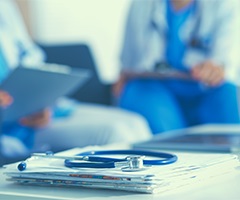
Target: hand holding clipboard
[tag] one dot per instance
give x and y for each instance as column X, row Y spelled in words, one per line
column 36, row 88
column 5, row 99
column 160, row 72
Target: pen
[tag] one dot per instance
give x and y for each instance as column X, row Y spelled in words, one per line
column 43, row 155
column 23, row 165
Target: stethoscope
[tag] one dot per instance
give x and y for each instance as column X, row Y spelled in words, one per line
column 134, row 161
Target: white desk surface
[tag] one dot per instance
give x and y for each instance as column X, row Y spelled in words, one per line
column 221, row 188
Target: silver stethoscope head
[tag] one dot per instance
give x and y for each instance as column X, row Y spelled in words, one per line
column 135, row 163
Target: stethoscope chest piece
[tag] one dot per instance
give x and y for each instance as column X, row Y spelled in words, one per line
column 135, row 164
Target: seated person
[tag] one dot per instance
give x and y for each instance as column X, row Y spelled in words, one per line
column 200, row 40
column 47, row 130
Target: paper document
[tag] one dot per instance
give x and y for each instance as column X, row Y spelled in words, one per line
column 189, row 169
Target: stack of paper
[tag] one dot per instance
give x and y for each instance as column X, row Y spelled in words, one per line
column 190, row 168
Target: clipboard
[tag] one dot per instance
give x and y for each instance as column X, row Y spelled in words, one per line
column 168, row 73
column 35, row 88
column 204, row 138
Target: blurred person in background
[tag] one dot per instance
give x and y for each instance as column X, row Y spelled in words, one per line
column 195, row 43
column 54, row 128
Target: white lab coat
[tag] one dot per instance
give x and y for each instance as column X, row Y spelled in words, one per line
column 87, row 125
column 218, row 35
column 15, row 42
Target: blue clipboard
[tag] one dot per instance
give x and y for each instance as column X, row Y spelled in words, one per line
column 36, row 88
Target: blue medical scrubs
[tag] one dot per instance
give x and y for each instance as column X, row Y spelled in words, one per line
column 172, row 104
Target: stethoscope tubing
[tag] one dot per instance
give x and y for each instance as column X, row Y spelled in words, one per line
column 98, row 161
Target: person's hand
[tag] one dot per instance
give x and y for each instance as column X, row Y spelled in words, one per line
column 37, row 120
column 118, row 86
column 5, row 99
column 208, row 73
